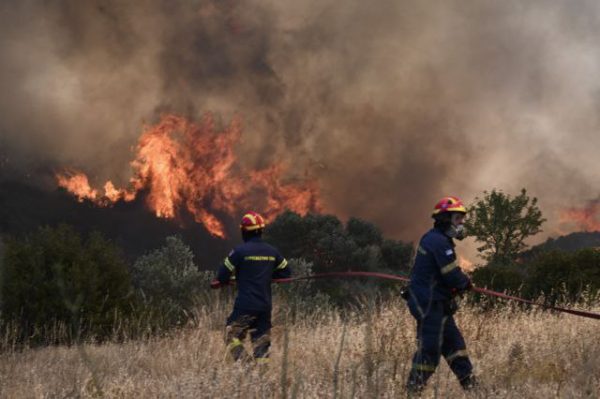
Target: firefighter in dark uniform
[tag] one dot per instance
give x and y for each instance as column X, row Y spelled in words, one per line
column 435, row 279
column 253, row 265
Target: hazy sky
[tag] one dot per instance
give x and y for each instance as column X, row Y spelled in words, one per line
column 390, row 104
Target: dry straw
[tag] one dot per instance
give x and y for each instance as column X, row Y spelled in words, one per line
column 524, row 353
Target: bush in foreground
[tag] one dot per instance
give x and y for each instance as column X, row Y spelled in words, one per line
column 55, row 277
column 167, row 282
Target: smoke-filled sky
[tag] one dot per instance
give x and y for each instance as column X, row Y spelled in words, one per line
column 390, row 104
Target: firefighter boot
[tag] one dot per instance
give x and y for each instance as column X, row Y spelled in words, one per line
column 237, row 351
column 261, row 346
column 417, row 379
column 234, row 334
column 469, row 383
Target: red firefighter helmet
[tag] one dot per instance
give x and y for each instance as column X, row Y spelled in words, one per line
column 449, row 204
column 252, row 221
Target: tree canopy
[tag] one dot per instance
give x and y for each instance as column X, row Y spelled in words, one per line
column 501, row 223
column 330, row 245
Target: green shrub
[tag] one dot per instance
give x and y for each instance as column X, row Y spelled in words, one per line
column 397, row 256
column 509, row 278
column 167, row 281
column 363, row 233
column 564, row 275
column 302, row 296
column 55, row 277
column 328, row 245
column 552, row 275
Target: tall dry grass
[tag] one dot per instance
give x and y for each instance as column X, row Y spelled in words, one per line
column 363, row 353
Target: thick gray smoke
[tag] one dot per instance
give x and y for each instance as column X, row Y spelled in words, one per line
column 391, row 104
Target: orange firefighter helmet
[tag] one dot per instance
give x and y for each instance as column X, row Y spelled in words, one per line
column 449, row 204
column 252, row 221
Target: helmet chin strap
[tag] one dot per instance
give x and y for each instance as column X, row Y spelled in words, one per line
column 457, row 232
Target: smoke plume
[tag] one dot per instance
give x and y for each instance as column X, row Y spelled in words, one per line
column 388, row 104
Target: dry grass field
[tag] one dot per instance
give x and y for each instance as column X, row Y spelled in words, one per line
column 365, row 353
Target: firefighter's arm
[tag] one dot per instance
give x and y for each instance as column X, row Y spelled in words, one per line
column 282, row 269
column 452, row 275
column 226, row 271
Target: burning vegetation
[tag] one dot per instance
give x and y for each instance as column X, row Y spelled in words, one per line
column 193, row 166
column 586, row 217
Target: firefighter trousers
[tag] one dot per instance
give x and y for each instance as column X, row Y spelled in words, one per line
column 258, row 324
column 437, row 335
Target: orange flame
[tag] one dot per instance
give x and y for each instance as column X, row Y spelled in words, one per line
column 77, row 183
column 586, row 218
column 182, row 164
column 113, row 194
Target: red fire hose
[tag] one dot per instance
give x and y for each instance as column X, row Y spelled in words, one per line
column 581, row 313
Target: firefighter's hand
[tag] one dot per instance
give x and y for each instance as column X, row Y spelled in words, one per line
column 215, row 284
column 459, row 291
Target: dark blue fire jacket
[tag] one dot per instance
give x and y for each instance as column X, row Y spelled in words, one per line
column 435, row 272
column 254, row 264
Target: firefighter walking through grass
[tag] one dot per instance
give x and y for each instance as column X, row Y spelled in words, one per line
column 435, row 279
column 253, row 265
